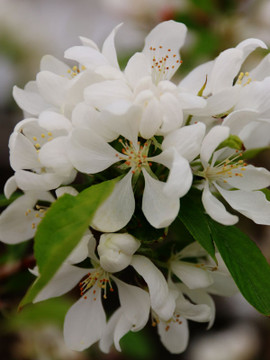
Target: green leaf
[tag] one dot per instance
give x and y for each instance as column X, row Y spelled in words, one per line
column 193, row 216
column 138, row 345
column 61, row 230
column 246, row 263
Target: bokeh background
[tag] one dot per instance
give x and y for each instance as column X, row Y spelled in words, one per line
column 30, row 29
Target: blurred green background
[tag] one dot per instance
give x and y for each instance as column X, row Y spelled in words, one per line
column 30, row 29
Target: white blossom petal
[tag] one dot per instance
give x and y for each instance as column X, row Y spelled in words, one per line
column 216, row 209
column 66, row 278
column 29, row 101
column 85, row 321
column 174, row 335
column 135, row 304
column 108, row 48
column 159, row 209
column 194, row 277
column 162, row 301
column 252, row 204
column 89, row 152
column 117, row 209
column 211, row 141
column 187, row 140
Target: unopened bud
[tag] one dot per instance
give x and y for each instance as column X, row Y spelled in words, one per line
column 116, row 250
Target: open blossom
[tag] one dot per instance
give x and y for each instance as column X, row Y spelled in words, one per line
column 236, row 181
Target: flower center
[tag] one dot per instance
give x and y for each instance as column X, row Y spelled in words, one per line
column 75, row 70
column 135, row 157
column 243, row 77
column 231, row 166
column 164, row 63
column 97, row 277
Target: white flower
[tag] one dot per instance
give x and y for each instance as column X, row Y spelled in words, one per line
column 90, row 153
column 224, row 173
column 19, row 221
column 215, row 81
column 57, row 88
column 31, row 151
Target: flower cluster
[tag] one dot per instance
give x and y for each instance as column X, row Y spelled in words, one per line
column 160, row 140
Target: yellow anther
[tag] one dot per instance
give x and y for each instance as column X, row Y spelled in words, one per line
column 247, row 73
column 43, row 136
column 83, row 67
column 69, row 71
column 37, row 146
column 74, row 68
column 49, row 133
column 34, row 138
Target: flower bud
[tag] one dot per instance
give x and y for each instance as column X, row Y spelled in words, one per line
column 116, row 250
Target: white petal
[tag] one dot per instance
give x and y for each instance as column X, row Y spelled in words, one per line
column 27, row 180
column 66, row 278
column 254, row 96
column 107, row 338
column 200, row 297
column 253, row 178
column 23, row 154
column 86, row 116
column 52, row 87
column 10, row 187
column 117, row 209
column 161, row 300
column 87, row 56
column 252, row 204
column 103, row 94
column 29, row 101
column 51, row 121
column 126, row 124
column 135, row 304
column 238, row 119
column 195, row 80
column 172, row 113
column 249, row 45
column 262, row 70
column 199, row 313
column 80, row 252
column 151, row 118
column 54, row 155
column 187, row 140
column 108, row 48
column 15, row 225
column 89, row 152
column 170, row 35
column 174, row 336
column 137, row 68
column 189, row 102
column 211, row 141
column 159, row 209
column 85, row 321
column 52, row 64
column 180, row 177
column 192, row 276
column 226, row 67
column 216, row 209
